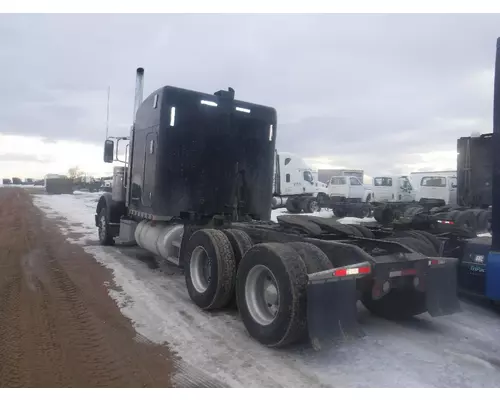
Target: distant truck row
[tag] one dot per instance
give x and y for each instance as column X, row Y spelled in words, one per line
column 299, row 188
column 62, row 184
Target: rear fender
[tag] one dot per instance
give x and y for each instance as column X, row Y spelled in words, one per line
column 114, row 209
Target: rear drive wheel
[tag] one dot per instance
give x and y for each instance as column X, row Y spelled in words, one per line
column 339, row 213
column 241, row 243
column 105, row 237
column 365, row 231
column 271, row 294
column 415, row 242
column 355, row 231
column 482, row 221
column 311, row 206
column 211, row 269
column 292, row 206
column 436, row 243
column 467, row 220
column 313, row 257
column 383, row 215
column 363, row 212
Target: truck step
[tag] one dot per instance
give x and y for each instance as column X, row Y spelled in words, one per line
column 176, row 243
column 173, row 260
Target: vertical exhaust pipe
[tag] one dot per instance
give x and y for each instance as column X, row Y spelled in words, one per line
column 495, row 220
column 139, row 89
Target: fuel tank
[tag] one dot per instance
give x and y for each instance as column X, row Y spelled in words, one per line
column 159, row 238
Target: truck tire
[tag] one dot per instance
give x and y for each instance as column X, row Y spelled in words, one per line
column 436, row 243
column 241, row 243
column 426, row 247
column 340, row 213
column 482, row 221
column 271, row 294
column 363, row 212
column 467, row 220
column 452, row 215
column 311, row 206
column 383, row 215
column 292, row 206
column 103, row 228
column 415, row 243
column 398, row 304
column 412, row 211
column 211, row 269
column 365, row 231
column 313, row 257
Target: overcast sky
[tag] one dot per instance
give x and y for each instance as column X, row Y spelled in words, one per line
column 387, row 93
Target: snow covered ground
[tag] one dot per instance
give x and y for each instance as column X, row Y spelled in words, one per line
column 460, row 350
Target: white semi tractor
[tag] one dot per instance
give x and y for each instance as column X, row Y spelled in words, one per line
column 295, row 184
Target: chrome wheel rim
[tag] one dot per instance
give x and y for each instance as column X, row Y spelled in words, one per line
column 262, row 295
column 199, row 268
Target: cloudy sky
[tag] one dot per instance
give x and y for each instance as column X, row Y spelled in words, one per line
column 386, row 93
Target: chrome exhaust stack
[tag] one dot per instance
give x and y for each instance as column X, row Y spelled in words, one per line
column 139, row 89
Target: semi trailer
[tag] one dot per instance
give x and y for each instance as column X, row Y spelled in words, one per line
column 196, row 190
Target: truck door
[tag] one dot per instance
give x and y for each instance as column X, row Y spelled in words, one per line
column 356, row 190
column 308, row 182
column 149, row 169
column 382, row 188
column 405, row 191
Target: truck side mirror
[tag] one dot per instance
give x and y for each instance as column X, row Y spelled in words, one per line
column 109, row 151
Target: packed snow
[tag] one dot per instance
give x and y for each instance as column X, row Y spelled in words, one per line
column 459, row 350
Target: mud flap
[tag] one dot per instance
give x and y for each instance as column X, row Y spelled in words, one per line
column 442, row 290
column 332, row 312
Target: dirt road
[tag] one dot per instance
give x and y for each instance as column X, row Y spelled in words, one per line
column 58, row 326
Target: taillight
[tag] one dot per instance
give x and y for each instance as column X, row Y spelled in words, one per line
column 353, row 270
column 442, row 221
column 349, row 271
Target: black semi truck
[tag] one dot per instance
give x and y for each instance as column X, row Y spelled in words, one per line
column 196, row 190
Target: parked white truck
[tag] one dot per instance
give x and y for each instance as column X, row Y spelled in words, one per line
column 392, row 188
column 349, row 188
column 295, row 185
column 436, row 185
